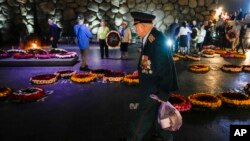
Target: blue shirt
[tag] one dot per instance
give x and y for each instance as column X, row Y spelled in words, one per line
column 83, row 35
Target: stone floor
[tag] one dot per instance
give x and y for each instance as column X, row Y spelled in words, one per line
column 101, row 112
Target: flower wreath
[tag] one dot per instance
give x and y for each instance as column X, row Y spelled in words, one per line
column 181, row 56
column 231, row 68
column 246, row 68
column 199, row 68
column 231, row 35
column 4, row 54
column 36, row 51
column 5, row 92
column 44, row 56
column 66, row 55
column 220, row 51
column 114, row 77
column 202, row 100
column 235, row 99
column 65, row 73
column 13, row 51
column 131, row 79
column 179, row 102
column 57, row 51
column 100, row 72
column 44, row 79
column 193, row 57
column 208, row 53
column 240, row 56
column 83, row 77
column 22, row 56
column 28, row 94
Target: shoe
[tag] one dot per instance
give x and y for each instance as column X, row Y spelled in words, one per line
column 86, row 68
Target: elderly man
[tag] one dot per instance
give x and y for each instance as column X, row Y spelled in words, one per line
column 157, row 75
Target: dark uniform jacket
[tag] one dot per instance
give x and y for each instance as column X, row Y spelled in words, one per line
column 157, row 73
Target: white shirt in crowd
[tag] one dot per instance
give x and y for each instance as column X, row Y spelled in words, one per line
column 201, row 35
column 184, row 31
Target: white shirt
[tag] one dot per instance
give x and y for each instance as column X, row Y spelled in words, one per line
column 201, row 35
column 184, row 31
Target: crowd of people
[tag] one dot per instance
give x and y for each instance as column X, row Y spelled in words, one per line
column 225, row 32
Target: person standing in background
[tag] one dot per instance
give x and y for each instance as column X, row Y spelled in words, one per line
column 183, row 37
column 201, row 37
column 101, row 37
column 173, row 31
column 83, row 36
column 54, row 32
column 126, row 36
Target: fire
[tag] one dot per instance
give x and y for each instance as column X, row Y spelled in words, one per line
column 32, row 44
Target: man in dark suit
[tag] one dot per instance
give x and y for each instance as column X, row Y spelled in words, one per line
column 54, row 32
column 157, row 75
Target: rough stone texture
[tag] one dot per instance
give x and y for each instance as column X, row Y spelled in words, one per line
column 112, row 10
column 159, row 6
column 72, row 5
column 90, row 17
column 168, row 7
column 201, row 2
column 123, row 9
column 47, row 7
column 95, row 22
column 183, row 2
column 99, row 1
column 208, row 2
column 81, row 2
column 212, row 7
column 192, row 12
column 100, row 14
column 199, row 17
column 185, row 10
column 69, row 14
column 205, row 13
column 115, row 9
column 159, row 15
column 105, row 6
column 169, row 19
column 22, row 1
column 131, row 3
column 93, row 7
column 115, row 3
column 12, row 3
column 128, row 17
column 164, row 1
column 192, row 3
column 23, row 11
column 118, row 19
column 141, row 7
column 1, row 1
column 151, row 7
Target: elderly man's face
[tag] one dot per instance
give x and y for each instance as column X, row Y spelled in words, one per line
column 140, row 30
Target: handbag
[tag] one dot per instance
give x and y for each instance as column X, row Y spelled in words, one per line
column 169, row 117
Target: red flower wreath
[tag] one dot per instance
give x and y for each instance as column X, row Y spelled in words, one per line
column 231, row 35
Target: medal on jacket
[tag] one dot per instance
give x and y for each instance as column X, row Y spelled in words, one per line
column 146, row 65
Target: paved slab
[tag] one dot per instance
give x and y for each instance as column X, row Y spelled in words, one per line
column 102, row 111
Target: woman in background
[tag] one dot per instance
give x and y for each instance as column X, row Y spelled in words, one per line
column 126, row 36
column 101, row 37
